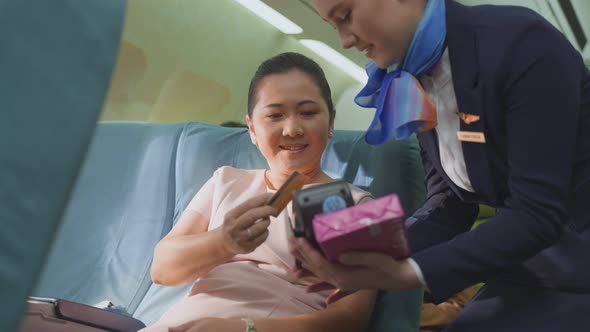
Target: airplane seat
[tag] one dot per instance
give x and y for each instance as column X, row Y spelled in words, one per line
column 139, row 177
column 56, row 62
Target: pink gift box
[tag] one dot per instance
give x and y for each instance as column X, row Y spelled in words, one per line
column 376, row 225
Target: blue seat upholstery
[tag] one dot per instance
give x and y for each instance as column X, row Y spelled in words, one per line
column 46, row 123
column 139, row 177
column 121, row 207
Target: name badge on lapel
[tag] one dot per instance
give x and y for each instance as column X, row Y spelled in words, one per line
column 471, row 136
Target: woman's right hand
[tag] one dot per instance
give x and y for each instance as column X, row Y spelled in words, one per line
column 246, row 226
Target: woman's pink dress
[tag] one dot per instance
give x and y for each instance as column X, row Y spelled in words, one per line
column 255, row 285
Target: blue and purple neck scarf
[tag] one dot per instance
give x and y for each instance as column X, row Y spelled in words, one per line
column 402, row 105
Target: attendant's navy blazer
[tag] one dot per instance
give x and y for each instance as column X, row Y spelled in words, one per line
column 531, row 91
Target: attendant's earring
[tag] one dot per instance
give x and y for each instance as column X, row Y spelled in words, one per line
column 330, row 133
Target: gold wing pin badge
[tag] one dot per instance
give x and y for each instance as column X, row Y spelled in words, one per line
column 468, row 118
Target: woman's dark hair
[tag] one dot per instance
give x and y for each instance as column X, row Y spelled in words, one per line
column 283, row 63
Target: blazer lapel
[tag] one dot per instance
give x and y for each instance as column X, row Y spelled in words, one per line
column 462, row 44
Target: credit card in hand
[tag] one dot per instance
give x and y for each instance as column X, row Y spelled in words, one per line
column 284, row 195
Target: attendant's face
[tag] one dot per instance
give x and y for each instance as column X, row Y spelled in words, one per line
column 382, row 29
column 290, row 122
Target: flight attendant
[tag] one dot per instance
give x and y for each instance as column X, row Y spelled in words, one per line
column 500, row 103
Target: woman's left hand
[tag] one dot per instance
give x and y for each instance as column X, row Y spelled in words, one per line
column 210, row 324
column 356, row 270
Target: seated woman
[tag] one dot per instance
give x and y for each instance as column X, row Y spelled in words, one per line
column 233, row 246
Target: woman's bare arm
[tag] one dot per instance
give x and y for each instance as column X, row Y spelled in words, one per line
column 188, row 251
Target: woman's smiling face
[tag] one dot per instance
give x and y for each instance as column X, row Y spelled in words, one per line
column 290, row 122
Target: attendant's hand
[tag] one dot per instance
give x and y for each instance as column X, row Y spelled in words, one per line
column 355, row 270
column 210, row 324
column 246, row 226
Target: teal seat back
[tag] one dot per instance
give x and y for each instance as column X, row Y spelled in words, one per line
column 56, row 62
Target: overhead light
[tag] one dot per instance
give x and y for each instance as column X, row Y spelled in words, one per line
column 337, row 59
column 271, row 16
